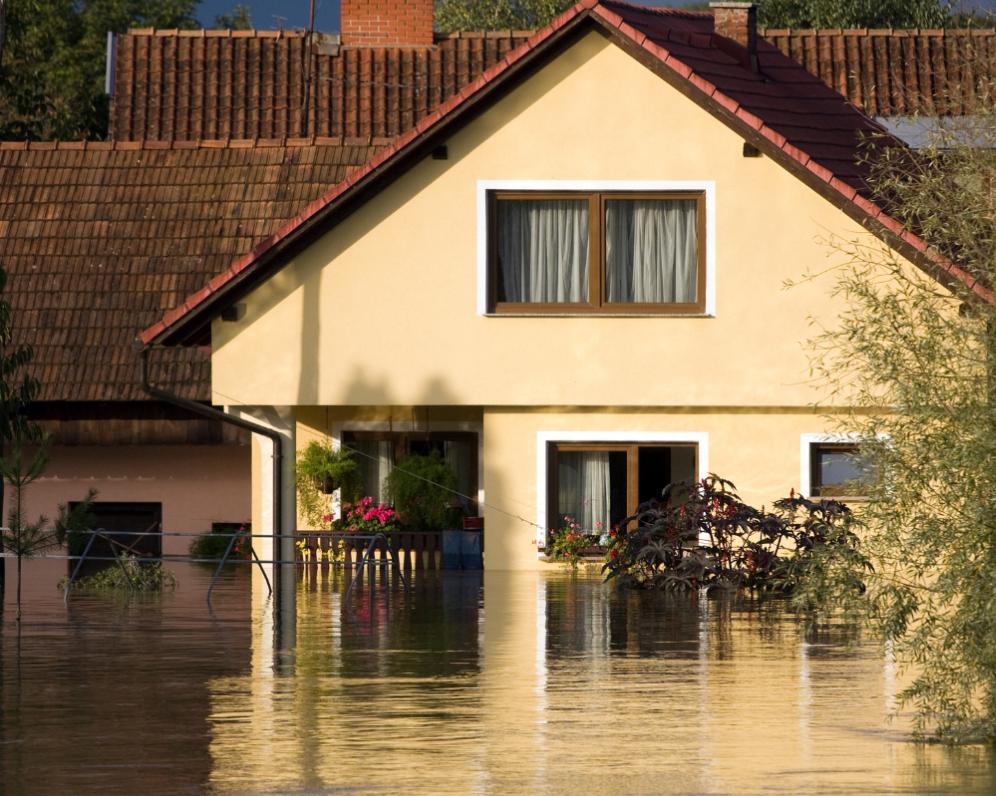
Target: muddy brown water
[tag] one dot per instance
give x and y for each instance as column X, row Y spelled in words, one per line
column 504, row 683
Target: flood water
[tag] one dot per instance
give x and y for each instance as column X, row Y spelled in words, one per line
column 496, row 684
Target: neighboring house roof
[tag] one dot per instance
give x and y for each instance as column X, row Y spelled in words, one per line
column 99, row 239
column 788, row 113
column 188, row 85
column 897, row 72
column 180, row 85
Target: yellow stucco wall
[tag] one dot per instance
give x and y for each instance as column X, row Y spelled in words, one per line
column 383, row 309
column 757, row 449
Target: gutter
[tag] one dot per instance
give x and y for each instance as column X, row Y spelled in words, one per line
column 216, row 414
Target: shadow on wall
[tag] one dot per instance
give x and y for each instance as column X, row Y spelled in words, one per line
column 362, row 390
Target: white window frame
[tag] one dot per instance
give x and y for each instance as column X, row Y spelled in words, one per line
column 707, row 187
column 544, row 438
column 806, row 442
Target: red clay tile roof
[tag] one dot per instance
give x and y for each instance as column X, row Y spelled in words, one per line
column 187, row 85
column 100, row 239
column 181, row 85
column 791, row 115
column 897, row 72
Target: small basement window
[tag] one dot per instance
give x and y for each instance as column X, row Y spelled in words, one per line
column 133, row 528
column 596, row 252
column 838, row 470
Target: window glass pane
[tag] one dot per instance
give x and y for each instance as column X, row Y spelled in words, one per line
column 461, row 455
column 543, row 250
column 651, row 251
column 375, row 458
column 591, row 489
column 660, row 466
column 840, row 470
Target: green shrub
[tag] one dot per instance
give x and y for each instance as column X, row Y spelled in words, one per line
column 422, row 489
column 132, row 575
column 213, row 545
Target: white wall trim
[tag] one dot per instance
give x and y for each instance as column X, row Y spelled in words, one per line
column 543, row 438
column 706, row 186
column 806, row 441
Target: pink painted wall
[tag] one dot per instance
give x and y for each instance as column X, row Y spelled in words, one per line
column 196, row 484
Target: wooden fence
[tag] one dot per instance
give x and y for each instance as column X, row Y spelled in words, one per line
column 416, row 550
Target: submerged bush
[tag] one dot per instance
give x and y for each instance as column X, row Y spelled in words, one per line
column 700, row 534
column 131, row 575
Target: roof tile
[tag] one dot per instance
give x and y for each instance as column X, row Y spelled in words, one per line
column 100, row 241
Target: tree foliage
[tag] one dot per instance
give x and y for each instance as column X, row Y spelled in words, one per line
column 915, row 359
column 455, row 15
column 854, row 13
column 52, row 75
column 239, row 18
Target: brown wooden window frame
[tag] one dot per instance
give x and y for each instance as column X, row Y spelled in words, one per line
column 596, row 304
column 816, row 487
column 632, row 451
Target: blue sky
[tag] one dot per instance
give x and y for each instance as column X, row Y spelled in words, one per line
column 294, row 13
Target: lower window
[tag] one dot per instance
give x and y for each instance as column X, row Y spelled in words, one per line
column 598, row 485
column 838, row 470
column 378, row 452
column 127, row 529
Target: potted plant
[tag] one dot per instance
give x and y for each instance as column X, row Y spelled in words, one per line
column 321, row 470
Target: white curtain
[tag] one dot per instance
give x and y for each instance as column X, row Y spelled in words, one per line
column 651, row 250
column 543, row 250
column 375, row 458
column 584, row 489
column 457, row 454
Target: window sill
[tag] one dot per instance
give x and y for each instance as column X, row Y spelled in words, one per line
column 547, row 314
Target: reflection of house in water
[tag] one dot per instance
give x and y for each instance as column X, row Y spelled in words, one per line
column 624, row 622
column 116, row 695
column 555, row 680
column 443, row 634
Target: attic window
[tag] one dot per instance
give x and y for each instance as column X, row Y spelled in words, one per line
column 596, row 252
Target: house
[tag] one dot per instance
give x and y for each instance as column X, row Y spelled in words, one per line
column 570, row 275
column 217, row 138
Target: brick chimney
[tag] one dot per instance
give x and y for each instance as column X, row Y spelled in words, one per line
column 737, row 22
column 386, row 23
